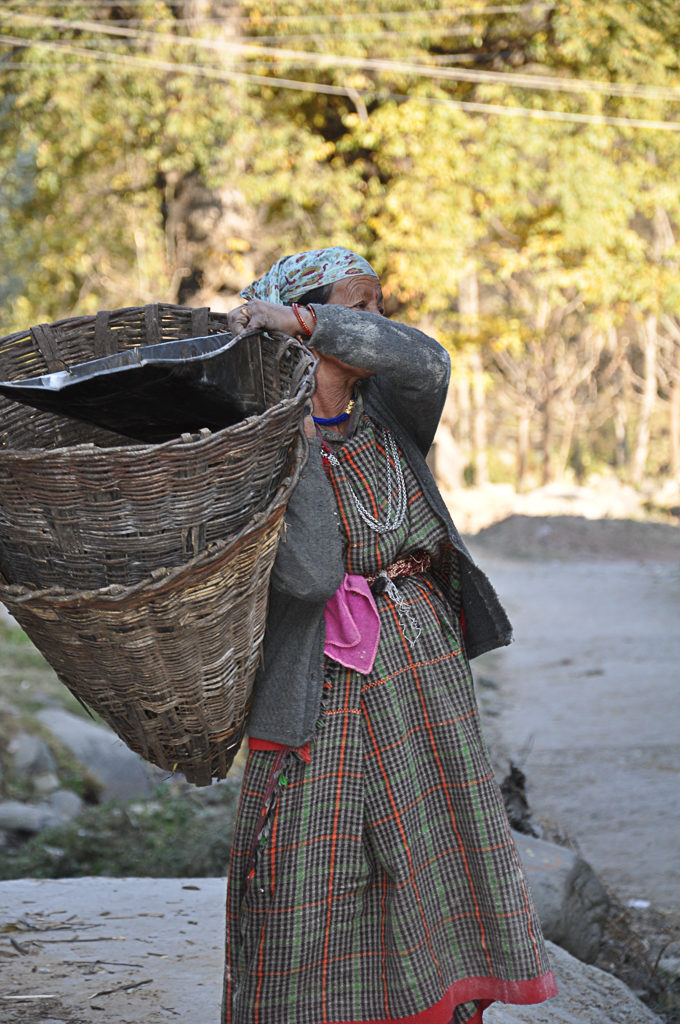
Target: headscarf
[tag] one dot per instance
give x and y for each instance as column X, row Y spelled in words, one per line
column 292, row 276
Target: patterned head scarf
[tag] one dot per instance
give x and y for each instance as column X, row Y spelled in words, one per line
column 292, row 276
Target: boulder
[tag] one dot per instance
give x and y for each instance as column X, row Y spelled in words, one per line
column 66, row 805
column 45, row 782
column 19, row 817
column 571, row 901
column 121, row 774
column 30, row 755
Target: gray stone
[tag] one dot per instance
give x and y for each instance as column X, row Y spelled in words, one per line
column 30, row 755
column 571, row 901
column 45, row 783
column 586, row 995
column 66, row 804
column 122, row 774
column 670, row 965
column 18, row 817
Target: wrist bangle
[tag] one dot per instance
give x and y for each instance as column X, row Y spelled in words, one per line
column 296, row 309
column 313, row 314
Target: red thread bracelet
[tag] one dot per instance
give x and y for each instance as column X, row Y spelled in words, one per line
column 298, row 314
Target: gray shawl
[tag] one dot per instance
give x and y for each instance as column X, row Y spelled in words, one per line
column 406, row 394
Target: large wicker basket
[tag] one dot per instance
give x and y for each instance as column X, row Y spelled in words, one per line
column 85, row 515
column 169, row 662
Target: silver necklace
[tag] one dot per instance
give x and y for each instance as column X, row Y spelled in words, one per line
column 394, row 517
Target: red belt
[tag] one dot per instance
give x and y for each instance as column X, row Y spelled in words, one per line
column 407, row 565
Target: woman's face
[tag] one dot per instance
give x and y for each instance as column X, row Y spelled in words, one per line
column 362, row 292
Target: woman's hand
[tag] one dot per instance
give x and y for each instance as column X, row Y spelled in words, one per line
column 265, row 315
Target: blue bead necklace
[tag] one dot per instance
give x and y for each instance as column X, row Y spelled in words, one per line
column 335, row 419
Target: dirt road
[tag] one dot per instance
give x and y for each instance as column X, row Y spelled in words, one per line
column 587, row 700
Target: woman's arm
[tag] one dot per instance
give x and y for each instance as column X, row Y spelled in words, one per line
column 411, row 369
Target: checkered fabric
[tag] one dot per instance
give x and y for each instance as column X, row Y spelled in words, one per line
column 385, row 885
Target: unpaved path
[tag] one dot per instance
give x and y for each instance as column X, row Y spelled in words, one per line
column 588, row 692
column 149, row 951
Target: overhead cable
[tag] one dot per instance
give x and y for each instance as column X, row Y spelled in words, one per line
column 275, row 19
column 348, row 92
column 519, row 80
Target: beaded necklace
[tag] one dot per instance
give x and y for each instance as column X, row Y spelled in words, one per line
column 394, row 517
column 335, row 419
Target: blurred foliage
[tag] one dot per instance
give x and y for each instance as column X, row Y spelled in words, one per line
column 179, row 831
column 172, row 835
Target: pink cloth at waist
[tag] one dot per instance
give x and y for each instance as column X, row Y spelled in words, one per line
column 352, row 625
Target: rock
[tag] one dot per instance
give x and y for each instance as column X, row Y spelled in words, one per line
column 122, row 774
column 30, row 755
column 18, row 817
column 45, row 783
column 586, row 995
column 66, row 804
column 670, row 965
column 571, row 901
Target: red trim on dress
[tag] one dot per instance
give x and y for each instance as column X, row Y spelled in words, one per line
column 485, row 990
column 303, row 752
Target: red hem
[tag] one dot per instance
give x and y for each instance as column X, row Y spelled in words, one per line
column 485, row 990
column 256, row 744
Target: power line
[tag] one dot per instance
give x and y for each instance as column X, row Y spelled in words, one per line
column 275, row 19
column 519, row 80
column 347, row 92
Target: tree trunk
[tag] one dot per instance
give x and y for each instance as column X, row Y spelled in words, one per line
column 462, row 432
column 211, row 242
column 621, row 452
column 566, row 445
column 547, row 411
column 523, row 442
column 480, row 457
column 449, row 461
column 674, row 427
column 674, row 406
column 649, row 339
column 468, row 305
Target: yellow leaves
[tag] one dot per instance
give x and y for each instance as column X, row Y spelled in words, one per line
column 235, row 244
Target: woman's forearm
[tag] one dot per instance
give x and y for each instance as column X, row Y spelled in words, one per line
column 410, row 370
column 407, row 357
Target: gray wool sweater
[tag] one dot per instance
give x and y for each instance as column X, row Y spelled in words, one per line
column 406, row 395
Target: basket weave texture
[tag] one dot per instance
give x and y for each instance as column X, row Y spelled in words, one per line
column 169, row 663
column 141, row 571
column 94, row 515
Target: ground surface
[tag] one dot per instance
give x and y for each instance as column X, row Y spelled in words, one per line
column 149, row 951
column 587, row 700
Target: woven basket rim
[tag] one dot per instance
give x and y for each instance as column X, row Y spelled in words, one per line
column 166, row 576
column 200, row 437
column 117, row 311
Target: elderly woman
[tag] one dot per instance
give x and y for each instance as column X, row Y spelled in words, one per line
column 373, row 876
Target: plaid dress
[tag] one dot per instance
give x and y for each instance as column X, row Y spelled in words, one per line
column 373, row 877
